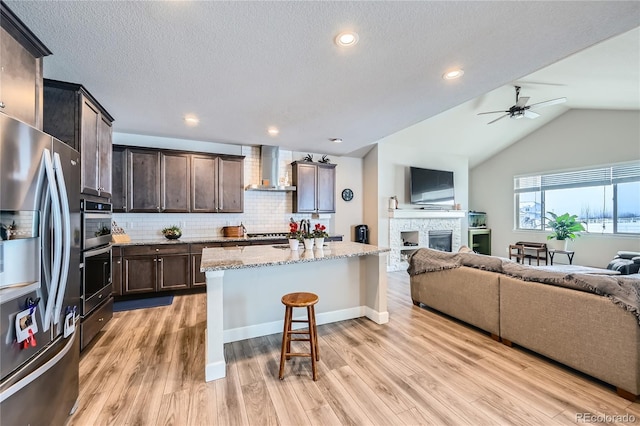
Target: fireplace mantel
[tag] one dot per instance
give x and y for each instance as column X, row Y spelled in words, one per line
column 426, row 214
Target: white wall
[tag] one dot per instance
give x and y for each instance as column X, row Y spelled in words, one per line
column 386, row 171
column 263, row 211
column 576, row 139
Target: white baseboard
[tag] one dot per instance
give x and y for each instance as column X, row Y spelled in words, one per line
column 215, row 370
column 375, row 316
column 264, row 329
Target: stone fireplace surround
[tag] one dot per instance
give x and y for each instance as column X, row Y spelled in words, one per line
column 413, row 226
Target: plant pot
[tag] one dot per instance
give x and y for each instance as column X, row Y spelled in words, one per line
column 319, row 242
column 557, row 244
column 294, row 244
column 308, row 243
column 172, row 236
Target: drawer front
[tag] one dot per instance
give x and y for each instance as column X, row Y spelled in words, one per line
column 156, row 249
column 92, row 324
column 116, row 251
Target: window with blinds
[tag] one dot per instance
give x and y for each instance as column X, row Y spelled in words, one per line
column 606, row 199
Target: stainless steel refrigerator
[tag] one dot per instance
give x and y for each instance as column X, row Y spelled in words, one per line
column 39, row 276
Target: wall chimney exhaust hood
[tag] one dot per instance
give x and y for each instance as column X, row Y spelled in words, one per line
column 269, row 173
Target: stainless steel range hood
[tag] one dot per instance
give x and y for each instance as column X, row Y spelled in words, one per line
column 269, row 171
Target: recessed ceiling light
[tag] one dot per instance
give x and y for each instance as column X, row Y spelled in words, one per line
column 273, row 131
column 453, row 74
column 347, row 39
column 336, row 140
column 191, row 120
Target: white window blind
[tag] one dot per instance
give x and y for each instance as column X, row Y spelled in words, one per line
column 618, row 173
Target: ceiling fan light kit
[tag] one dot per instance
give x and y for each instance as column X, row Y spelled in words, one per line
column 521, row 109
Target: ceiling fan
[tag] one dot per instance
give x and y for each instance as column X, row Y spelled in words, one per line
column 521, row 109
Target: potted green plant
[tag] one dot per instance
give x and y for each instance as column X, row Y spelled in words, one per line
column 172, row 232
column 565, row 227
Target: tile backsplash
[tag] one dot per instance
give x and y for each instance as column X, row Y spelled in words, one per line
column 263, row 211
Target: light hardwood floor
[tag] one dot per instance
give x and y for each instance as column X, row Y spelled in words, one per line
column 147, row 368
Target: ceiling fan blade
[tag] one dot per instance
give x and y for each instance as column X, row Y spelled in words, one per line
column 491, row 112
column 522, row 101
column 548, row 103
column 531, row 114
column 499, row 118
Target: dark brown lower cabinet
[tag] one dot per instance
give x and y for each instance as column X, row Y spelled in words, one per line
column 152, row 268
column 173, row 272
column 139, row 274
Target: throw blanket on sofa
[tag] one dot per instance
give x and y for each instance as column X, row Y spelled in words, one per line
column 622, row 290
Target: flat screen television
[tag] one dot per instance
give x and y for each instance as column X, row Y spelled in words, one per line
column 431, row 187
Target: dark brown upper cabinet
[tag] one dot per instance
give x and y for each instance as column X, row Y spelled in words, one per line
column 153, row 180
column 174, row 182
column 74, row 116
column 315, row 187
column 21, row 56
column 217, row 184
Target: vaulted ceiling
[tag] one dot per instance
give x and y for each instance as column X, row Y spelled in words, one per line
column 244, row 66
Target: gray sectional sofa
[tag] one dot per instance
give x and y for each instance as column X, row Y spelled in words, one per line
column 570, row 324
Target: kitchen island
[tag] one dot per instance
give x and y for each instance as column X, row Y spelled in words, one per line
column 245, row 285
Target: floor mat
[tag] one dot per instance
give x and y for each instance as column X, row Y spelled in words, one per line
column 149, row 302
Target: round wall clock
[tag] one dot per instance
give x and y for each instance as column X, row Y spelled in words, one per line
column 347, row 194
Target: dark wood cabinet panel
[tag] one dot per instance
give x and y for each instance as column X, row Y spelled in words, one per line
column 175, row 177
column 326, row 193
column 197, row 278
column 204, row 184
column 75, row 117
column 230, row 185
column 143, row 181
column 21, row 55
column 173, row 272
column 104, row 157
column 90, row 118
column 139, row 274
column 304, row 178
column 116, row 275
column 315, row 187
column 20, row 81
column 119, row 179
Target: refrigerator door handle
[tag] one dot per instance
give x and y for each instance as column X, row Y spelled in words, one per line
column 57, row 240
column 65, row 230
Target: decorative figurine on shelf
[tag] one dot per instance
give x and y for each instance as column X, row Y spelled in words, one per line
column 325, row 160
column 308, row 157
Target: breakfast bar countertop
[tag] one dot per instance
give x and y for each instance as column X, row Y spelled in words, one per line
column 223, row 258
column 197, row 240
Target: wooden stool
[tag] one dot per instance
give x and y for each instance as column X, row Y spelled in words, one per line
column 299, row 300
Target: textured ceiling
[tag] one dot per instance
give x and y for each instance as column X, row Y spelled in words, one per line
column 244, row 66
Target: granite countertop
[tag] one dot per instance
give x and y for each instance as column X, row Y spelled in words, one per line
column 222, row 258
column 196, row 240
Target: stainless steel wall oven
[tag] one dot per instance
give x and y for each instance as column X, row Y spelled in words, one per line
column 96, row 301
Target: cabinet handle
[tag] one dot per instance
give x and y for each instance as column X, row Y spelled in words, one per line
column 100, row 319
column 155, row 260
column 99, row 296
column 118, row 262
column 157, row 249
column 2, row 105
column 159, row 260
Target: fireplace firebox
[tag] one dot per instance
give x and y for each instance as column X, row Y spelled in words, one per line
column 441, row 240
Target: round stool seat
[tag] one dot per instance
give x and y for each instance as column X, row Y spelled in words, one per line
column 299, row 300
